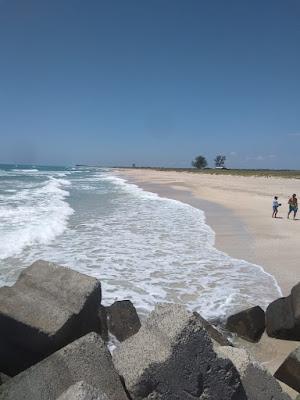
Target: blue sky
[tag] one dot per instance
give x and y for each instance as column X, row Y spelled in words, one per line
column 153, row 82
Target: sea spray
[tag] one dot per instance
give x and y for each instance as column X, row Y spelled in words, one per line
column 33, row 215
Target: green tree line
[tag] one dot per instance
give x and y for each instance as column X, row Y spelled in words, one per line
column 200, row 161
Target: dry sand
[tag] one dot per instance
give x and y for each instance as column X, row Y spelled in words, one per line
column 239, row 210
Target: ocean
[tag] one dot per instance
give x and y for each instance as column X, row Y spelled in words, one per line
column 140, row 246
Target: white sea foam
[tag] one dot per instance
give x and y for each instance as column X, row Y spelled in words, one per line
column 34, row 215
column 146, row 248
column 27, row 171
column 204, row 277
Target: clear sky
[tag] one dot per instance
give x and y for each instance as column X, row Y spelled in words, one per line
column 151, row 82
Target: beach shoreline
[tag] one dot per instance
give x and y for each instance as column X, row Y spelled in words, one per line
column 240, row 231
column 216, row 216
column 239, row 210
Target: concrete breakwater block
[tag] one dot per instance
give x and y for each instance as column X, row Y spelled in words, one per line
column 283, row 316
column 217, row 337
column 289, row 371
column 258, row 383
column 82, row 391
column 47, row 308
column 102, row 315
column 248, row 324
column 87, row 359
column 4, row 378
column 123, row 320
column 172, row 357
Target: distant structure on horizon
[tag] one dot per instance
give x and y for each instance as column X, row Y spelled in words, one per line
column 221, row 167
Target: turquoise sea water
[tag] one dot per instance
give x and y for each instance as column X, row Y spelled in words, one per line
column 142, row 247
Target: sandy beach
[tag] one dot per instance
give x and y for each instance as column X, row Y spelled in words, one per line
column 239, row 210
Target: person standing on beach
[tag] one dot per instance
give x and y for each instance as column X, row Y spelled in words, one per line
column 293, row 206
column 275, row 206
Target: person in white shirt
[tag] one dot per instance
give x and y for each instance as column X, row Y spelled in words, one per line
column 276, row 204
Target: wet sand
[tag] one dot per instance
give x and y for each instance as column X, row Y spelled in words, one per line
column 239, row 211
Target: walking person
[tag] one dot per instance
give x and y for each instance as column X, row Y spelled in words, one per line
column 276, row 204
column 293, row 206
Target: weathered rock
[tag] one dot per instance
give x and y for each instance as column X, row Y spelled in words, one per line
column 171, row 357
column 3, row 378
column 48, row 307
column 86, row 359
column 83, row 391
column 283, row 316
column 215, row 335
column 258, row 383
column 123, row 320
column 248, row 324
column 102, row 314
column 279, row 318
column 289, row 371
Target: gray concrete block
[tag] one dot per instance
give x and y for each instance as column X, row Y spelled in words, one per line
column 4, row 378
column 248, row 324
column 171, row 357
column 258, row 383
column 123, row 320
column 102, row 315
column 289, row 371
column 48, row 307
column 82, row 391
column 87, row 359
column 283, row 316
column 295, row 295
column 215, row 335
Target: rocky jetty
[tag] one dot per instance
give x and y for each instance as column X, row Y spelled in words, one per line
column 173, row 355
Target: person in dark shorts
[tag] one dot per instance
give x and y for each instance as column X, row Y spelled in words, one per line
column 293, row 206
column 276, row 204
